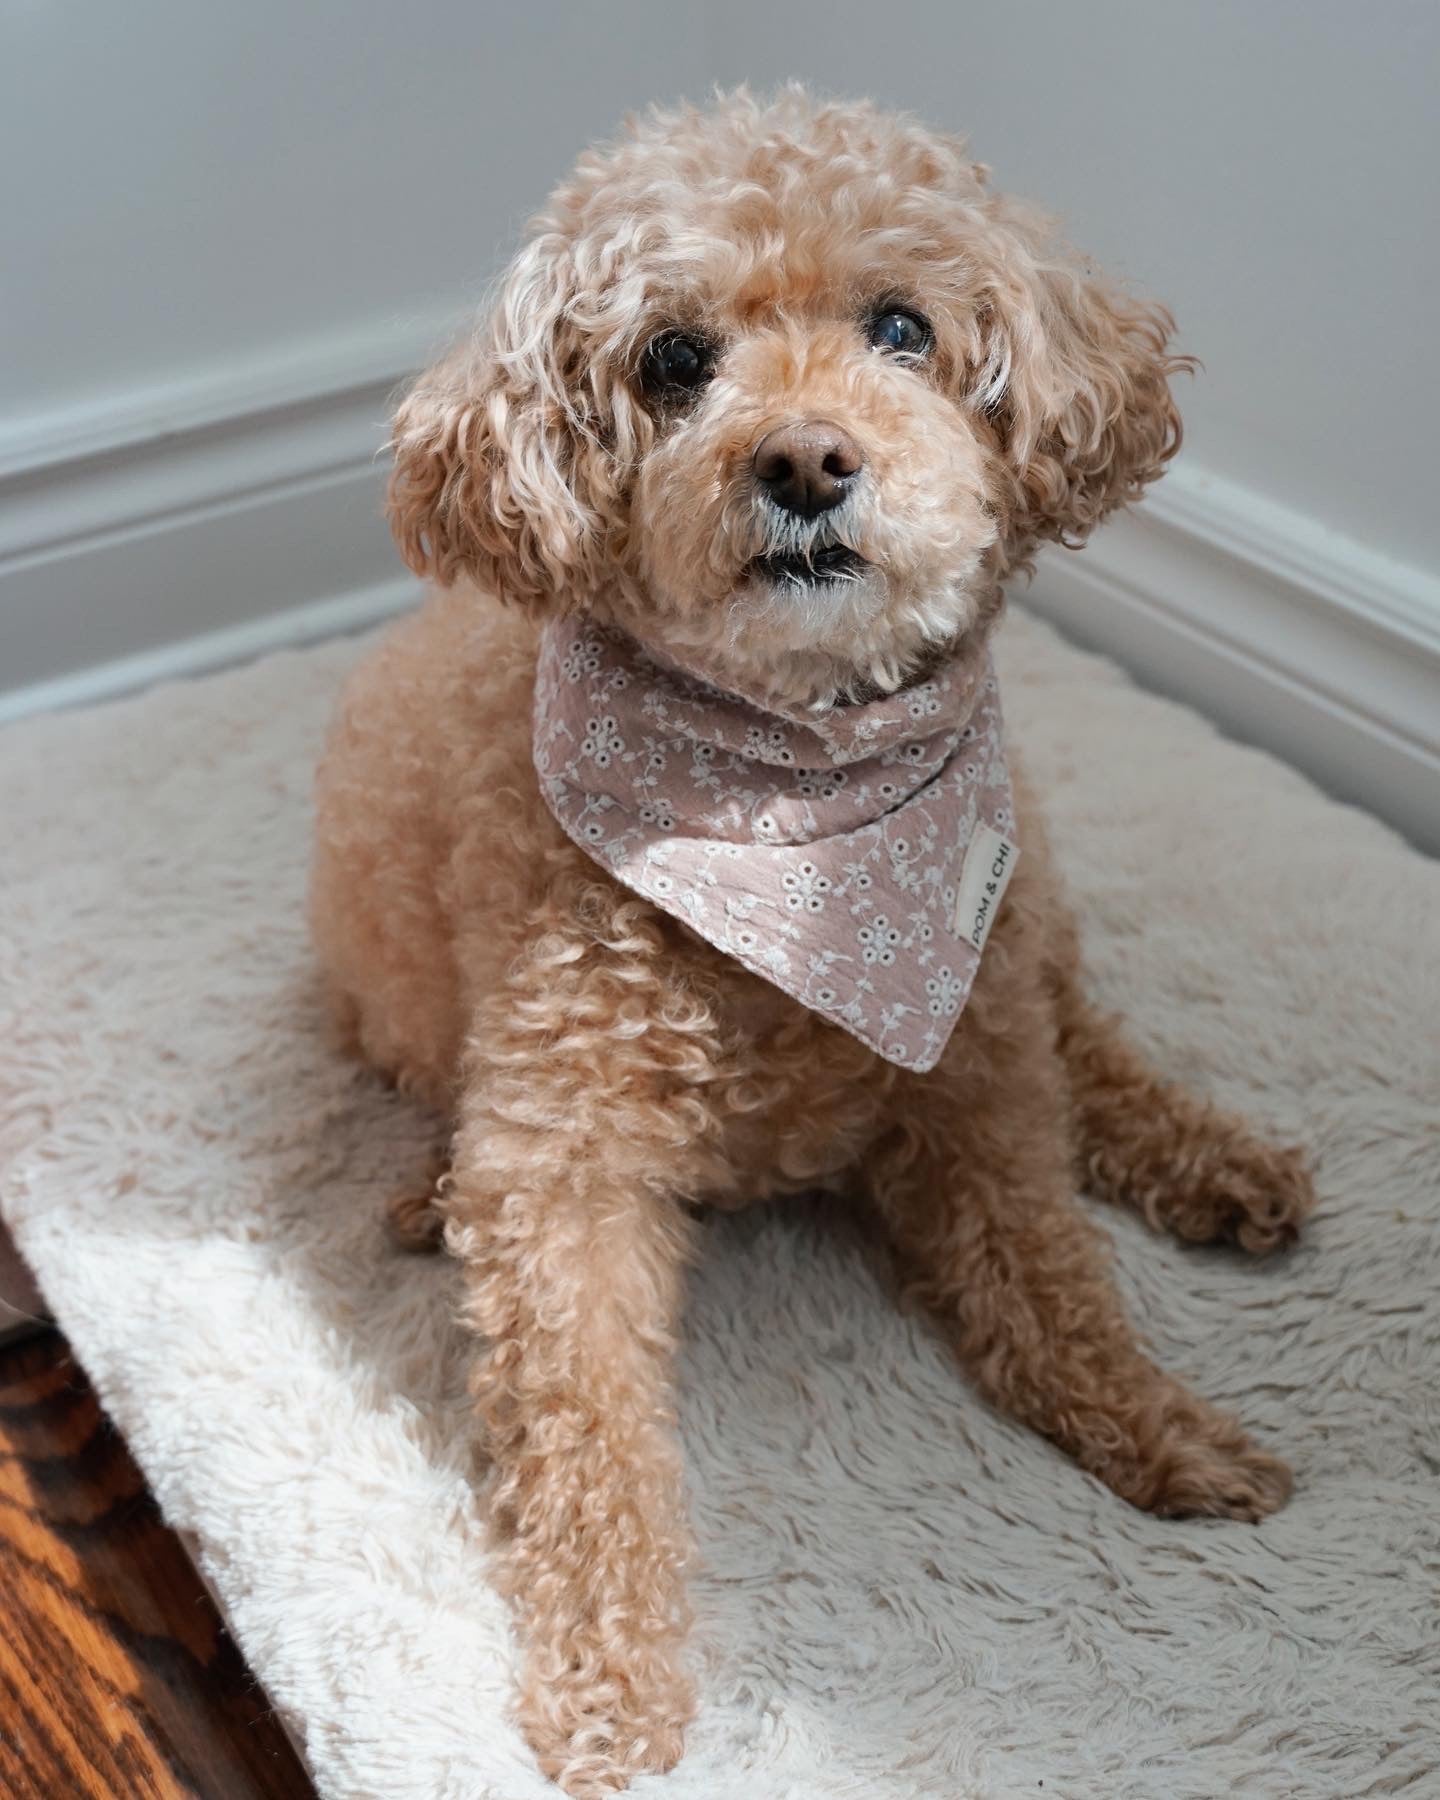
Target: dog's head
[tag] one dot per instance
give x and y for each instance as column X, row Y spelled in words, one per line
column 785, row 389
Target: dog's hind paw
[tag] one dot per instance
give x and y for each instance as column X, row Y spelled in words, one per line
column 1254, row 1194
column 1222, row 1184
column 412, row 1216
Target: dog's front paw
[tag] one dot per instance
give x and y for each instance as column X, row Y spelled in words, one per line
column 1169, row 1452
column 1231, row 1482
column 597, row 1726
column 1199, row 1463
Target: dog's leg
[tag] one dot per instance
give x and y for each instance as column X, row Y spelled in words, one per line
column 582, row 1114
column 1189, row 1167
column 975, row 1184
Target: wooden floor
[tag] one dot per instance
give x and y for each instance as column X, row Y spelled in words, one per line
column 117, row 1678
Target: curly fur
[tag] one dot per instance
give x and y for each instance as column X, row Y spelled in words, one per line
column 604, row 1069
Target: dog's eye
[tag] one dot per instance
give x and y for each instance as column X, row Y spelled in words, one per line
column 901, row 333
column 676, row 362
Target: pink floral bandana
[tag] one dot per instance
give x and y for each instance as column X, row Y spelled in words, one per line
column 856, row 857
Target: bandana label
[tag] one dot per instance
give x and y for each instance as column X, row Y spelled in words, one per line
column 989, row 864
column 856, row 857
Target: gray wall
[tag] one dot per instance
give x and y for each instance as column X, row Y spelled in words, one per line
column 206, row 183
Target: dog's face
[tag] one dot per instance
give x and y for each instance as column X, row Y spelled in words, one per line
column 784, row 390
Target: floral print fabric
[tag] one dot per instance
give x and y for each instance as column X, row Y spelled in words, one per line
column 824, row 851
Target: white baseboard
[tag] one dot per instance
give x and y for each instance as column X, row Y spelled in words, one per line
column 183, row 526
column 1289, row 636
column 285, row 630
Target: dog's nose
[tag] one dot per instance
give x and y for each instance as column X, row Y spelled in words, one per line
column 809, row 467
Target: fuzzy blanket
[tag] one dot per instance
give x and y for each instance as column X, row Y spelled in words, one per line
column 900, row 1594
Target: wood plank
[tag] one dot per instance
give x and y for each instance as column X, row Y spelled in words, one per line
column 117, row 1676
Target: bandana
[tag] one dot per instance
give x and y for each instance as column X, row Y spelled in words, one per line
column 855, row 857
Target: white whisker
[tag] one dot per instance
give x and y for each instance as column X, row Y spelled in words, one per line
column 787, row 534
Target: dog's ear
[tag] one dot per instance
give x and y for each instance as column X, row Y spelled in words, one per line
column 1078, row 379
column 494, row 455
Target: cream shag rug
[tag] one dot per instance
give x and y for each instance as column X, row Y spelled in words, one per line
column 901, row 1595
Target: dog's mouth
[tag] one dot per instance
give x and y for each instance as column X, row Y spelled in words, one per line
column 832, row 562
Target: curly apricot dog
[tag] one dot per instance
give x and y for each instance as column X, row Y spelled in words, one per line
column 769, row 406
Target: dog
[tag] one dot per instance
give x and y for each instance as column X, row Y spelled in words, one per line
column 772, row 403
